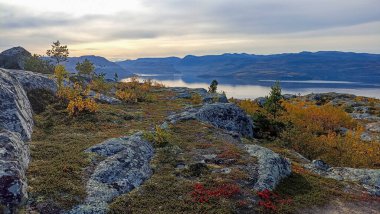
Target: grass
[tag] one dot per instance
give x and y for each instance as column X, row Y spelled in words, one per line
column 56, row 174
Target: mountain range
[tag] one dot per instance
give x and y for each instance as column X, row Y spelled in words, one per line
column 245, row 68
column 232, row 68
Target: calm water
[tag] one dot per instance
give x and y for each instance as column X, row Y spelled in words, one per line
column 261, row 88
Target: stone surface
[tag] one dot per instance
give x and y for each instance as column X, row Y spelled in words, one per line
column 31, row 80
column 103, row 98
column 226, row 116
column 187, row 93
column 14, row 159
column 271, row 167
column 373, row 127
column 368, row 178
column 15, row 109
column 125, row 167
column 261, row 101
column 14, row 58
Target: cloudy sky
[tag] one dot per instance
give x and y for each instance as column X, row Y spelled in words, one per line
column 120, row 29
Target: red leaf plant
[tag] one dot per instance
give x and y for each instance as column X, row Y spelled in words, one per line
column 201, row 194
column 269, row 200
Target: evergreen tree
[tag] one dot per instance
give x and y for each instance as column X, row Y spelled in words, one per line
column 36, row 64
column 85, row 68
column 213, row 86
column 273, row 102
column 58, row 52
column 116, row 77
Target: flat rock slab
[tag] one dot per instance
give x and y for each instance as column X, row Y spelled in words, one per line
column 226, row 116
column 271, row 167
column 125, row 167
column 368, row 178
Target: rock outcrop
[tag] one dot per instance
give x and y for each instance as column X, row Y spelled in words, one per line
column 187, row 93
column 15, row 109
column 14, row 58
column 368, row 178
column 226, row 116
column 125, row 167
column 271, row 167
column 103, row 98
column 16, row 124
column 31, row 80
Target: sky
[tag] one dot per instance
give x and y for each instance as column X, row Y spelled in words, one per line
column 129, row 29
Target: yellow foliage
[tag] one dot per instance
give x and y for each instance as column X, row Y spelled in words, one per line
column 196, row 99
column 314, row 133
column 248, row 105
column 126, row 95
column 60, row 75
column 76, row 99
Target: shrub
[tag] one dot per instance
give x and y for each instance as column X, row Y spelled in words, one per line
column 273, row 103
column 160, row 137
column 201, row 194
column 36, row 64
column 40, row 99
column 270, row 200
column 196, row 99
column 99, row 84
column 60, row 74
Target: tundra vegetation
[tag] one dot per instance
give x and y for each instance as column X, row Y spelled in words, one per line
column 70, row 121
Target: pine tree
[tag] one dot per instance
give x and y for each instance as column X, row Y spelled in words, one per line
column 85, row 68
column 58, row 52
column 213, row 86
column 273, row 102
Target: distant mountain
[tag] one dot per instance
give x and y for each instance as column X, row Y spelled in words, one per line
column 322, row 65
column 151, row 65
column 102, row 65
column 14, row 58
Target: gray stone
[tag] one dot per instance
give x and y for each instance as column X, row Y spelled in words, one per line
column 261, row 101
column 14, row 159
column 364, row 116
column 125, row 167
column 226, row 116
column 31, row 80
column 15, row 109
column 272, row 167
column 288, row 96
column 373, row 127
column 14, row 58
column 366, row 137
column 368, row 178
column 103, row 98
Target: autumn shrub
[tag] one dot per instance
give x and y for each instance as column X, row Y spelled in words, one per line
column 134, row 91
column 77, row 99
column 99, row 84
column 313, row 131
column 160, row 137
column 201, row 194
column 270, row 201
column 196, row 99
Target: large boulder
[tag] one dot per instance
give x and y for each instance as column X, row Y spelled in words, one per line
column 14, row 159
column 271, row 167
column 14, row 58
column 368, row 178
column 226, row 116
column 125, row 166
column 15, row 109
column 31, row 80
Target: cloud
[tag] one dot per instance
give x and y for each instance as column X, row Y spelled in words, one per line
column 192, row 22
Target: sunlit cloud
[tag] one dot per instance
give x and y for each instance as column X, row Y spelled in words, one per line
column 142, row 28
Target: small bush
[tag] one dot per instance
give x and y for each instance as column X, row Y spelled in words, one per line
column 160, row 137
column 40, row 99
column 196, row 99
column 201, row 194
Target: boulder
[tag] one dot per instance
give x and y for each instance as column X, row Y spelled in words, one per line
column 125, row 167
column 14, row 58
column 364, row 116
column 271, row 167
column 14, row 159
column 31, row 80
column 226, row 116
column 15, row 109
column 368, row 178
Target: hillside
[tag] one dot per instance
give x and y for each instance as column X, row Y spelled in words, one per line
column 146, row 148
column 245, row 68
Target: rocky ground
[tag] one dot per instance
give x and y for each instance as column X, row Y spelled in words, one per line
column 176, row 154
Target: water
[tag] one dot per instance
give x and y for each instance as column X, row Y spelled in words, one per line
column 261, row 88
